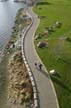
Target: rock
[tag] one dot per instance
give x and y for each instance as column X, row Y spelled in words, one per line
column 42, row 44
column 8, row 52
column 22, row 83
column 58, row 24
column 38, row 36
column 28, row 96
column 21, row 99
column 46, row 32
column 22, row 91
column 53, row 72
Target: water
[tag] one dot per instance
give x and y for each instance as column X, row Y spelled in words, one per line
column 8, row 12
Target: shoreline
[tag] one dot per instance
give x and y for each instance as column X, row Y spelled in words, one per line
column 2, row 51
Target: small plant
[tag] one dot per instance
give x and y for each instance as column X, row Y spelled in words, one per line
column 68, row 39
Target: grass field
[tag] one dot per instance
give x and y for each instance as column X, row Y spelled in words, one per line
column 58, row 53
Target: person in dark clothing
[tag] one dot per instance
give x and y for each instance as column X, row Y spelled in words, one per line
column 35, row 64
column 40, row 66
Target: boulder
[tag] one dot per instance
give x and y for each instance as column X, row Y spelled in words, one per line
column 53, row 72
column 42, row 44
column 22, row 91
column 38, row 36
column 23, row 83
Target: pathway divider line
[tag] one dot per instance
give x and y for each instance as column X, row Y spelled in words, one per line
column 34, row 87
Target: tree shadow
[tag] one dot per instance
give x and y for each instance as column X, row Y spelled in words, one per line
column 43, row 3
column 57, row 75
column 60, row 83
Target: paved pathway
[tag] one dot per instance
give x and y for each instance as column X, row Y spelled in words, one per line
column 46, row 93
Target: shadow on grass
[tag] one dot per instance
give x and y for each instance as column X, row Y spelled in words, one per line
column 60, row 83
column 57, row 75
column 43, row 3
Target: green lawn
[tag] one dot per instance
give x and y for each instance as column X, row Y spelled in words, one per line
column 58, row 53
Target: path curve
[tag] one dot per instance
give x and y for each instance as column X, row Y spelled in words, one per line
column 46, row 93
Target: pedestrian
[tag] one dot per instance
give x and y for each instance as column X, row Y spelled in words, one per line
column 40, row 66
column 35, row 64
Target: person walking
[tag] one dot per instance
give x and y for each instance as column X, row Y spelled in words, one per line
column 35, row 64
column 40, row 66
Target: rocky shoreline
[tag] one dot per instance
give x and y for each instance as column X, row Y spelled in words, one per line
column 20, row 94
